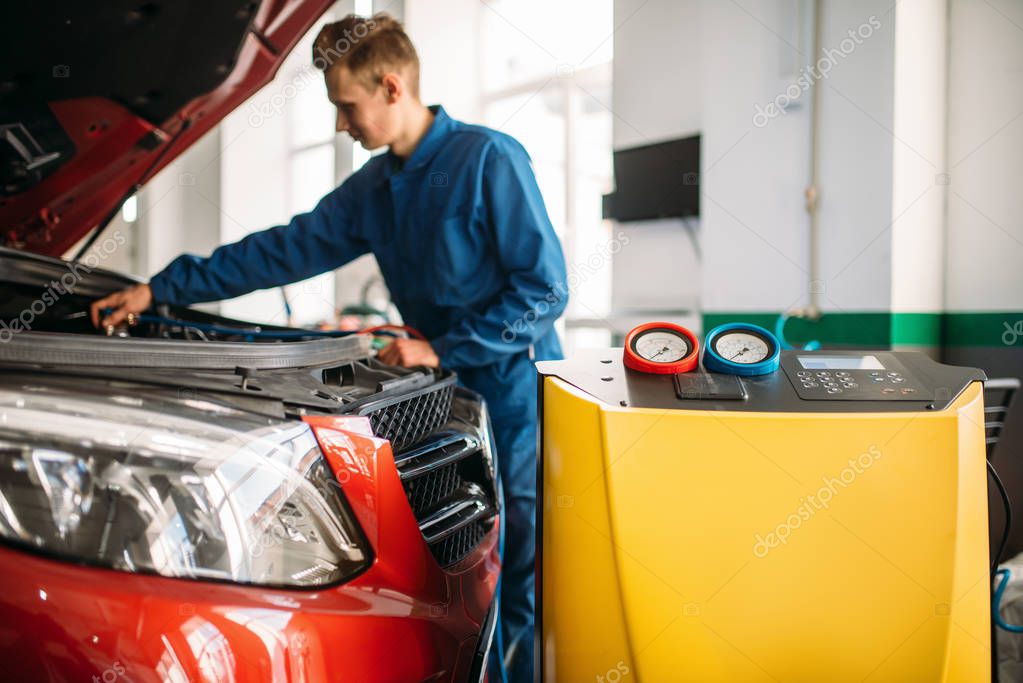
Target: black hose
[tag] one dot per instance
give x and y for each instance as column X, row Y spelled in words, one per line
column 1008, row 516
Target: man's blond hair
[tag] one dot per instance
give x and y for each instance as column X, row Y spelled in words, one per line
column 369, row 47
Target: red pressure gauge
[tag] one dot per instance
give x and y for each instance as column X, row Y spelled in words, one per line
column 661, row 348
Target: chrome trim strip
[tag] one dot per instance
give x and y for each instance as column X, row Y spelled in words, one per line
column 455, row 517
column 469, row 446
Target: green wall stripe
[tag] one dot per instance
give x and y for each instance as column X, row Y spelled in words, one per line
column 877, row 329
column 916, row 329
column 848, row 329
column 994, row 329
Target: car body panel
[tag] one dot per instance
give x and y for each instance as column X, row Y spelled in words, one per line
column 117, row 150
column 403, row 619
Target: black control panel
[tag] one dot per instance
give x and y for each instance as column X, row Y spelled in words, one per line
column 806, row 381
column 877, row 376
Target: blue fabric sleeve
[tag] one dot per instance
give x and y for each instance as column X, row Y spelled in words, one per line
column 312, row 243
column 529, row 253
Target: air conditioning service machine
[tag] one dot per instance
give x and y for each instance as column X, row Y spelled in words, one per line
column 765, row 515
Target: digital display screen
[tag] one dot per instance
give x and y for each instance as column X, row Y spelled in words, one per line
column 840, row 363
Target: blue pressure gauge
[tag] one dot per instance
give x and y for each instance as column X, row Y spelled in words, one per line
column 741, row 349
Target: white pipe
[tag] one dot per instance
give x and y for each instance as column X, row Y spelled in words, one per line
column 812, row 191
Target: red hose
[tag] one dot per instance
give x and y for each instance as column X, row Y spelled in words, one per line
column 411, row 331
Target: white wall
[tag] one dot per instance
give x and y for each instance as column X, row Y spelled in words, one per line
column 179, row 209
column 985, row 156
column 657, row 70
column 179, row 206
column 921, row 148
column 753, row 222
column 252, row 163
column 446, row 35
column 702, row 66
column 856, row 148
column 656, row 93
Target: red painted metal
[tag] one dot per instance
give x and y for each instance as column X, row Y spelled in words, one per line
column 403, row 619
column 52, row 216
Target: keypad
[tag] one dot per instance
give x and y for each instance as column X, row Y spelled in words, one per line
column 830, row 382
column 857, row 384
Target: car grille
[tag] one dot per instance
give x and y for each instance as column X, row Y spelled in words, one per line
column 455, row 547
column 426, row 491
column 451, row 492
column 407, row 420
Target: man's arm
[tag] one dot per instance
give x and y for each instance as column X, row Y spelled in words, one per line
column 312, row 243
column 530, row 254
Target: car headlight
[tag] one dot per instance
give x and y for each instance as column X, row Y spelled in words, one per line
column 180, row 488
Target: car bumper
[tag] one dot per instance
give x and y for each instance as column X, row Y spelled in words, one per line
column 403, row 619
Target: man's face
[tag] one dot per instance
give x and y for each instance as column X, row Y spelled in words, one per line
column 367, row 115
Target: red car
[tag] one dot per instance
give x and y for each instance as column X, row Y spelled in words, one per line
column 194, row 498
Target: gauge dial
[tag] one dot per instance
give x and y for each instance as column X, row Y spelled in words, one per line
column 741, row 349
column 661, row 348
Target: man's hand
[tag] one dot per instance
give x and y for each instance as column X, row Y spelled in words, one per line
column 131, row 300
column 409, row 353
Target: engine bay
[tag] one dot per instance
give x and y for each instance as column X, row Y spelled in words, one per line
column 43, row 294
column 45, row 329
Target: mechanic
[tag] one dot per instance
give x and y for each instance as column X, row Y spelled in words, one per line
column 454, row 216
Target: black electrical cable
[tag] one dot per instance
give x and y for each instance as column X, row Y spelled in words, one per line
column 1008, row 516
column 242, row 332
column 996, row 595
column 279, row 335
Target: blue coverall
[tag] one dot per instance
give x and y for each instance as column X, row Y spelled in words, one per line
column 471, row 260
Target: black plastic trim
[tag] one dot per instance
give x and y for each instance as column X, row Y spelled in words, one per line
column 478, row 672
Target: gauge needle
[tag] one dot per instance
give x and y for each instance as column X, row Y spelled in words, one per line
column 659, row 352
column 744, row 350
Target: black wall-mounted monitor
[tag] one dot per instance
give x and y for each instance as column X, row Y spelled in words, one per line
column 656, row 181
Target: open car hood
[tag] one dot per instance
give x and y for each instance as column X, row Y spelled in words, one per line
column 97, row 97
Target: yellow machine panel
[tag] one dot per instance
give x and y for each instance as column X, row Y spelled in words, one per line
column 745, row 546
